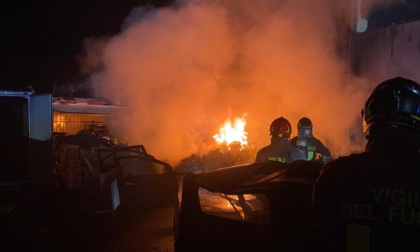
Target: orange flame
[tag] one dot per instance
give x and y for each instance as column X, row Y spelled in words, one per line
column 232, row 132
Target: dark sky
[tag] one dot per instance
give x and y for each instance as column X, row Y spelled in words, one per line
column 40, row 39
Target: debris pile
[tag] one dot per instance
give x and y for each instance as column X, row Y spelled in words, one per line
column 220, row 157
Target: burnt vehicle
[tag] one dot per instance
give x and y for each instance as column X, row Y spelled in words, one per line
column 262, row 206
column 128, row 178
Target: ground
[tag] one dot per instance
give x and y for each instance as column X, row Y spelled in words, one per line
column 68, row 221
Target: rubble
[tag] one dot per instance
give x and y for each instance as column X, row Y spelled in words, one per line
column 224, row 156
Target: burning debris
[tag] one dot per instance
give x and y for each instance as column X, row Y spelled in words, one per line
column 232, row 149
column 230, row 133
column 217, row 158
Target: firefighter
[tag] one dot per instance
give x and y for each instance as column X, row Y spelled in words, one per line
column 371, row 201
column 280, row 149
column 314, row 149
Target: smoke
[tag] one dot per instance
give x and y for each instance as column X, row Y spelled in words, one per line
column 183, row 70
column 92, row 60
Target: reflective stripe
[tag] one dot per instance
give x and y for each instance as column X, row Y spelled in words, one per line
column 358, row 238
column 278, row 159
column 310, row 155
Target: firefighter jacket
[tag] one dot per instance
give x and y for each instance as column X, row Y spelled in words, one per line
column 368, row 202
column 314, row 149
column 279, row 150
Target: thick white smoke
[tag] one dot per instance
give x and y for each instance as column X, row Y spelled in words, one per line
column 183, row 70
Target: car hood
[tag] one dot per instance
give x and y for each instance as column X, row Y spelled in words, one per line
column 256, row 175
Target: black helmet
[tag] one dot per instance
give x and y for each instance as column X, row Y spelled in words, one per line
column 304, row 127
column 304, row 122
column 395, row 101
column 281, row 127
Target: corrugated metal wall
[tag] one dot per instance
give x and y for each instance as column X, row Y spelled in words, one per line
column 72, row 123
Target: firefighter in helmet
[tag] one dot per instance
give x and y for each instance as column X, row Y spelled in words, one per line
column 313, row 148
column 371, row 201
column 280, row 149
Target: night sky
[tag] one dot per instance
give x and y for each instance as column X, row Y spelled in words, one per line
column 40, row 40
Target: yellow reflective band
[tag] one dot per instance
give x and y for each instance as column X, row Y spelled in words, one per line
column 310, row 155
column 415, row 117
column 358, row 238
column 278, row 159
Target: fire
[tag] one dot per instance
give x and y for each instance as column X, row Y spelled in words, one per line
column 232, row 132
